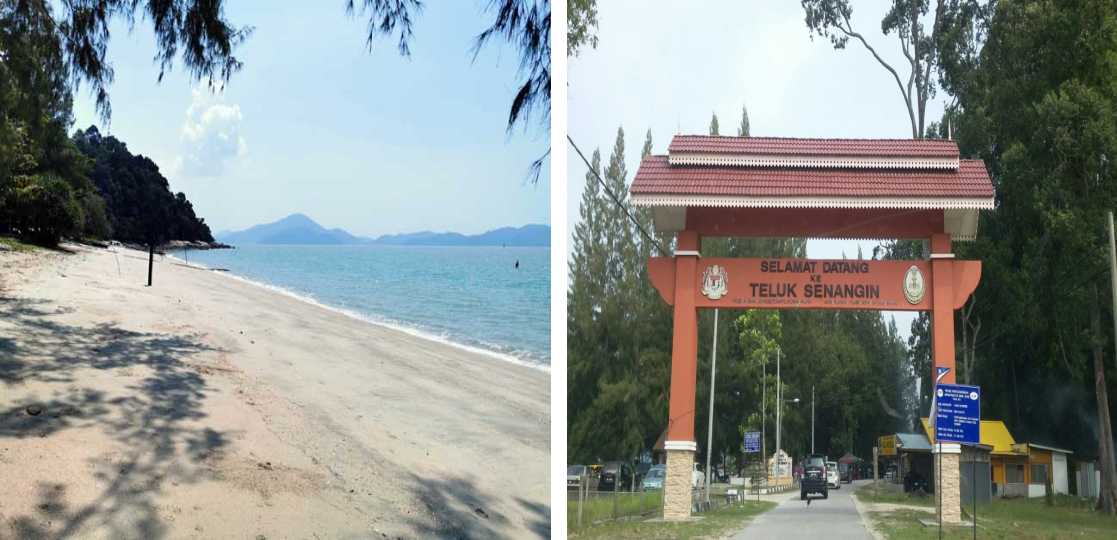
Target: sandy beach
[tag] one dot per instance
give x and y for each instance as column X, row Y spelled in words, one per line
column 207, row 407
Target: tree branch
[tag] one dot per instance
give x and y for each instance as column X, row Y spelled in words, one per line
column 848, row 30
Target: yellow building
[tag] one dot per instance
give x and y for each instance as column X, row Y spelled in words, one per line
column 1008, row 463
column 1045, row 464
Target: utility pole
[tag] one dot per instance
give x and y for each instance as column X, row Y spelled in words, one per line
column 779, row 405
column 710, row 429
column 764, row 418
column 812, row 418
column 1113, row 275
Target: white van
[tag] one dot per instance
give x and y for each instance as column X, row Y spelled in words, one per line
column 833, row 478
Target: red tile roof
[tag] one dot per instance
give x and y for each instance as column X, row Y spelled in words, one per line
column 709, row 144
column 657, row 177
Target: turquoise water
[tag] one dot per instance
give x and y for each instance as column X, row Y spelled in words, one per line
column 471, row 296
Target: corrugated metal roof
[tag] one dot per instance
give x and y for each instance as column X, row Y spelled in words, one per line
column 913, row 442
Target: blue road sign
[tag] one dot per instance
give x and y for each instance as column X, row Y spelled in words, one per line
column 958, row 413
column 940, row 371
column 752, row 442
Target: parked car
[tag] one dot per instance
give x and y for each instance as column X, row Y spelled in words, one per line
column 846, row 471
column 617, row 476
column 833, row 480
column 575, row 474
column 642, row 469
column 697, row 477
column 654, row 478
column 814, row 477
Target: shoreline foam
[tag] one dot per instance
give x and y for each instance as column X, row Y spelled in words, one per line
column 372, row 319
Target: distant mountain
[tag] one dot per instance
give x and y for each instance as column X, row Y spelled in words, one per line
column 293, row 229
column 528, row 235
column 300, row 229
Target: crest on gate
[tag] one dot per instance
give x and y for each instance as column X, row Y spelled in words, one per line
column 913, row 285
column 715, row 282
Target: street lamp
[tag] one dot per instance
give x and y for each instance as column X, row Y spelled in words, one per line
column 779, row 405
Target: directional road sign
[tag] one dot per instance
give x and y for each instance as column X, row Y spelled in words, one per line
column 958, row 413
column 752, row 442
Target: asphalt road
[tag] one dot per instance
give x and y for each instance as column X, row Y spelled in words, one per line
column 835, row 518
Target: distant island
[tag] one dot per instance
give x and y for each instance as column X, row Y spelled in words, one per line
column 301, row 229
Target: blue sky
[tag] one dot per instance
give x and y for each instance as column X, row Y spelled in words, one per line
column 669, row 70
column 315, row 123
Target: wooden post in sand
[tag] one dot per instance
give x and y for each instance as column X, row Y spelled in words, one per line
column 150, row 261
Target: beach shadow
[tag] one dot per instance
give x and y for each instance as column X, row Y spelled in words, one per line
column 461, row 510
column 540, row 523
column 154, row 418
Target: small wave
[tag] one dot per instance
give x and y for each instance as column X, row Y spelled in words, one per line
column 526, row 361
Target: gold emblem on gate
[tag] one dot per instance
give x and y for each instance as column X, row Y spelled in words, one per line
column 914, row 287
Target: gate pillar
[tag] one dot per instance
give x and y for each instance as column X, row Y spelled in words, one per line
column 680, row 444
column 948, row 455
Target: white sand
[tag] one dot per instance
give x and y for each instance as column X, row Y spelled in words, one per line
column 205, row 407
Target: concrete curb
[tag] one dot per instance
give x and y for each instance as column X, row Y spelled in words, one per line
column 863, row 514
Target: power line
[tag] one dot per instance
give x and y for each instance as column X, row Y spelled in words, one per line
column 616, row 200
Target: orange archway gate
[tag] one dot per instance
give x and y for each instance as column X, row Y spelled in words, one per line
column 807, row 188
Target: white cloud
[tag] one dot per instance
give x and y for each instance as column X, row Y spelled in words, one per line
column 211, row 137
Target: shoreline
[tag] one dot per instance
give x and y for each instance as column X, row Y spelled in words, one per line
column 207, row 407
column 371, row 319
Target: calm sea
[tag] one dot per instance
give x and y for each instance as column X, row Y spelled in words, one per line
column 467, row 296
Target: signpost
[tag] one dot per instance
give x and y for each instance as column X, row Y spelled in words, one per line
column 958, row 413
column 752, row 446
column 958, row 419
column 752, row 442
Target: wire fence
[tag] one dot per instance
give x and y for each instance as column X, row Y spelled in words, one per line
column 588, row 507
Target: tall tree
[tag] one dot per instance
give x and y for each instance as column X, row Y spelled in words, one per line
column 1038, row 104
column 919, row 44
column 714, row 125
column 743, row 130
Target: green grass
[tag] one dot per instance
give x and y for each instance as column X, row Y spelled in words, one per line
column 884, row 492
column 1009, row 518
column 16, row 245
column 714, row 524
column 607, row 506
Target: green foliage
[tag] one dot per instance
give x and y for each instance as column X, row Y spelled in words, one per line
column 714, row 125
column 743, row 131
column 139, row 203
column 526, row 24
column 581, row 25
column 1038, row 103
column 195, row 30
column 96, row 223
column 41, row 208
column 618, row 366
